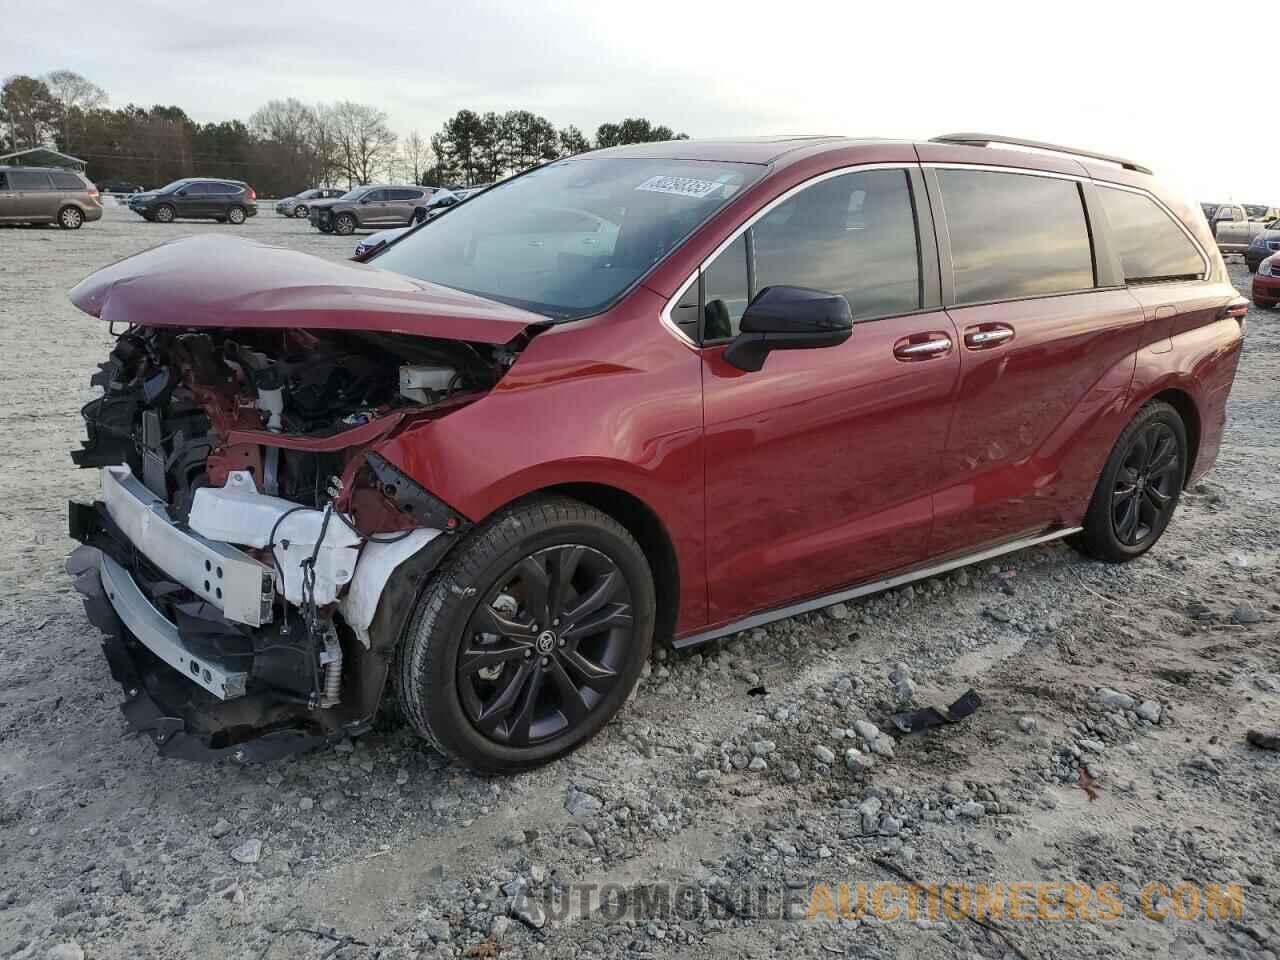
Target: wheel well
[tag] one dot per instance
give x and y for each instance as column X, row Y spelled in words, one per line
column 1186, row 407
column 643, row 524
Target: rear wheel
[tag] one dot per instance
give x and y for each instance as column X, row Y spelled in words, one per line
column 530, row 638
column 1139, row 487
column 344, row 224
column 70, row 218
column 165, row 213
column 236, row 215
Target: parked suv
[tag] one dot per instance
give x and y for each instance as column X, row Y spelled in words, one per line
column 493, row 464
column 297, row 205
column 376, row 206
column 197, row 198
column 47, row 195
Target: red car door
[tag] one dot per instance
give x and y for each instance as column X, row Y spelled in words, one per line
column 1047, row 347
column 820, row 467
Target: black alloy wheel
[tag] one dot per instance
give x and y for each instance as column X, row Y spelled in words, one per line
column 529, row 637
column 1146, row 484
column 545, row 646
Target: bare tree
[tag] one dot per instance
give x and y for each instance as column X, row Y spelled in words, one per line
column 415, row 152
column 73, row 93
column 365, row 143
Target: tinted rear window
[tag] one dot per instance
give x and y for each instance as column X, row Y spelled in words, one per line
column 67, row 181
column 1015, row 235
column 1150, row 245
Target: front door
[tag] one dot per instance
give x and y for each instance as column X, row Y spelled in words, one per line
column 820, row 467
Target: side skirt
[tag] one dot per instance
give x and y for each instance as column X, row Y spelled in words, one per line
column 862, row 590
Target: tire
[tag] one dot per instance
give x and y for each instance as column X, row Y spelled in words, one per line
column 1139, row 488
column 165, row 213
column 325, row 226
column 1265, row 304
column 300, row 212
column 1253, row 267
column 236, row 215
column 70, row 218
column 500, row 701
column 344, row 224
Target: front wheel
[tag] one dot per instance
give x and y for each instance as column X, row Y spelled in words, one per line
column 1139, row 487
column 344, row 224
column 529, row 638
column 165, row 213
column 300, row 212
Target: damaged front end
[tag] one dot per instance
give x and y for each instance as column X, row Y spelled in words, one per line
column 253, row 559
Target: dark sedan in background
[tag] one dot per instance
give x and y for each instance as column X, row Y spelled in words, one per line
column 196, row 198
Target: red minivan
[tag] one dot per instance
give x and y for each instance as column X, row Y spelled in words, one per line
column 668, row 391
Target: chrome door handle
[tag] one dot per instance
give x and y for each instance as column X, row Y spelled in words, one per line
column 987, row 337
column 935, row 346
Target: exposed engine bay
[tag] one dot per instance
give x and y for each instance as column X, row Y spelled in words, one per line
column 246, row 505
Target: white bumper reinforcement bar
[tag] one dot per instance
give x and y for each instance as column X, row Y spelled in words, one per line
column 234, row 582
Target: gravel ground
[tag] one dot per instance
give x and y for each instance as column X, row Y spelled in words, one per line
column 753, row 766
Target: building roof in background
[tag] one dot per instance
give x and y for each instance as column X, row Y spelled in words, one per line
column 41, row 157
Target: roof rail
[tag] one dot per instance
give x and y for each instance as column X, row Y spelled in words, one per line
column 987, row 139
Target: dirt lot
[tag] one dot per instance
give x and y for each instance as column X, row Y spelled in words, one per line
column 742, row 799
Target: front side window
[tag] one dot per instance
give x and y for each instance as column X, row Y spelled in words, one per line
column 853, row 234
column 375, row 196
column 1015, row 235
column 569, row 238
column 1150, row 245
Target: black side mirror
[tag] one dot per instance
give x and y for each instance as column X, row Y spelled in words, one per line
column 788, row 318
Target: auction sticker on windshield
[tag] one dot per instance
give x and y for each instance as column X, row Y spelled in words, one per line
column 681, row 186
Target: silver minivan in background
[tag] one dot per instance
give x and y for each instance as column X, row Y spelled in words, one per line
column 47, row 195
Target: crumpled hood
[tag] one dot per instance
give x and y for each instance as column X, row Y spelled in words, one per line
column 221, row 281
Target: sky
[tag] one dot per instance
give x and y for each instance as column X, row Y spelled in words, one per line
column 1146, row 81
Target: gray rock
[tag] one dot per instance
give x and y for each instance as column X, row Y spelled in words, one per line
column 955, row 788
column 889, row 826
column 972, row 809
column 782, row 845
column 839, row 611
column 1092, row 746
column 1027, row 724
column 824, row 754
column 580, row 838
column 870, row 807
column 580, row 802
column 1113, row 699
column 331, row 801
column 437, row 930
column 250, row 851
column 758, row 764
column 344, row 746
column 529, row 912
column 220, row 829
column 762, row 748
column 306, row 803
column 1150, row 711
column 866, row 730
column 883, row 746
column 706, row 775
column 791, row 771
column 498, row 928
column 65, row 951
column 858, row 762
column 1246, row 614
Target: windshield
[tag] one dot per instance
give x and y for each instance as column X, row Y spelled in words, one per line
column 567, row 239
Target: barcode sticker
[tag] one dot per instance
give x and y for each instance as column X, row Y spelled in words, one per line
column 681, row 186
